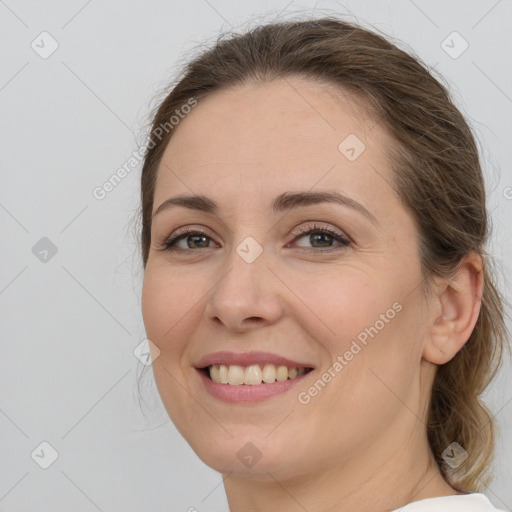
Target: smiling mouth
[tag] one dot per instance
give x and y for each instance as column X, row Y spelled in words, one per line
column 252, row 375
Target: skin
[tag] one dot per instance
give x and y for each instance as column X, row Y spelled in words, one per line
column 359, row 444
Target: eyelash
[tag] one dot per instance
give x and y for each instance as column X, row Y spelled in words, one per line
column 344, row 242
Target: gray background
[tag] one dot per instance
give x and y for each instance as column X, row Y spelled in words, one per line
column 71, row 320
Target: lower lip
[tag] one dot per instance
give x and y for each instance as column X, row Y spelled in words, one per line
column 247, row 393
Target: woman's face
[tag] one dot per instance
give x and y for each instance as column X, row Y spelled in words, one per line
column 346, row 302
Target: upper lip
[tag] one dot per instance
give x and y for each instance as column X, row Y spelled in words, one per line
column 249, row 358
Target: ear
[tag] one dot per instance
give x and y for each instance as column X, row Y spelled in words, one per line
column 457, row 306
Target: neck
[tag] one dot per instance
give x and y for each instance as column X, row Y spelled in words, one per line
column 378, row 481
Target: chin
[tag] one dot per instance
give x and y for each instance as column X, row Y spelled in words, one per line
column 253, row 457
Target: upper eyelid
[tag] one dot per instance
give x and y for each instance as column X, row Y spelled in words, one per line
column 310, row 226
column 185, row 230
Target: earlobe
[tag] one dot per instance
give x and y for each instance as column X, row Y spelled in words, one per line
column 458, row 306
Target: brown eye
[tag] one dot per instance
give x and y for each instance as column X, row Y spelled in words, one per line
column 322, row 237
column 193, row 239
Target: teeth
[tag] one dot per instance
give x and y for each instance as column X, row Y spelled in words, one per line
column 223, row 374
column 269, row 373
column 281, row 373
column 215, row 372
column 252, row 375
column 235, row 375
column 293, row 372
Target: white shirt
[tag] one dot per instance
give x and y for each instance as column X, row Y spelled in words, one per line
column 474, row 502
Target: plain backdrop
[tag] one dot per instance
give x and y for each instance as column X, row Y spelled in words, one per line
column 77, row 81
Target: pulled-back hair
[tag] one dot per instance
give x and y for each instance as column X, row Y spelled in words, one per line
column 436, row 174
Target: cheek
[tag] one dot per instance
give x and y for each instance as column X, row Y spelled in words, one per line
column 165, row 303
column 168, row 313
column 372, row 334
column 347, row 303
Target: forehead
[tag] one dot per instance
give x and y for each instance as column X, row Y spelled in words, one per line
column 291, row 132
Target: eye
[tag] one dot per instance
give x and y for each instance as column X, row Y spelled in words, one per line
column 323, row 237
column 320, row 237
column 191, row 238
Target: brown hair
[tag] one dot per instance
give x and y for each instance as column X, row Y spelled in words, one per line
column 437, row 176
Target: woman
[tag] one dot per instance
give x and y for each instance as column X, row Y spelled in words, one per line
column 317, row 294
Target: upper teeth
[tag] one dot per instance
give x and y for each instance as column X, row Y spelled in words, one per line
column 252, row 375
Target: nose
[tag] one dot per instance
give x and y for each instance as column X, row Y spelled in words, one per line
column 246, row 297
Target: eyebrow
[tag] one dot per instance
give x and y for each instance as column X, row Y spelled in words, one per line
column 284, row 202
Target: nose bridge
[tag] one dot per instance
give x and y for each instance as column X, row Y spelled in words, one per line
column 246, row 288
column 246, row 266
